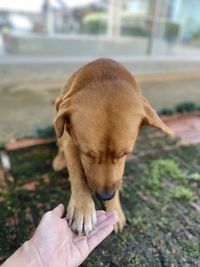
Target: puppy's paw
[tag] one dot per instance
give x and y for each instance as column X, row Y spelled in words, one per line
column 81, row 214
column 118, row 227
column 58, row 163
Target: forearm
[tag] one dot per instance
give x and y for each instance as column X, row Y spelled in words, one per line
column 26, row 255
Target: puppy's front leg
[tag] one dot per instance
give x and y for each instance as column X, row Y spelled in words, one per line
column 81, row 209
column 115, row 205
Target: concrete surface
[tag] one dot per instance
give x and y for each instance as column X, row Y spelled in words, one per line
column 22, row 111
column 82, row 45
column 35, row 70
column 28, row 85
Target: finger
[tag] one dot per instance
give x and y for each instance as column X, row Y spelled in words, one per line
column 100, row 235
column 100, row 212
column 59, row 210
column 111, row 219
column 103, row 216
column 108, row 217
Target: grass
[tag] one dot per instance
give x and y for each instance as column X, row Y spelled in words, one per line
column 162, row 228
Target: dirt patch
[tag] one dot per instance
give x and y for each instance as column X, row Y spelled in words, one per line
column 160, row 196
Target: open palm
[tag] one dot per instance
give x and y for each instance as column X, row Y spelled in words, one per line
column 58, row 246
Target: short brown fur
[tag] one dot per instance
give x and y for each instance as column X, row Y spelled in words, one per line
column 99, row 114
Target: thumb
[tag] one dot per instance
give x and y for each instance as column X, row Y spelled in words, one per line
column 59, row 210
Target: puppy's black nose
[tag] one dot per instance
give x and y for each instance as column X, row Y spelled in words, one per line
column 105, row 196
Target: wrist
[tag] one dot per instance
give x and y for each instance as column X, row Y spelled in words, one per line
column 32, row 254
column 26, row 255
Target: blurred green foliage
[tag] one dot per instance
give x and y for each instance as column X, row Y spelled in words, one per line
column 184, row 107
column 96, row 23
column 171, row 31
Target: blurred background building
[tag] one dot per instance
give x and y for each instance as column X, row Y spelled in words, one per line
column 43, row 41
column 99, row 27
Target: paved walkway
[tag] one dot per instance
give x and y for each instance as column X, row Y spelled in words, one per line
column 26, row 106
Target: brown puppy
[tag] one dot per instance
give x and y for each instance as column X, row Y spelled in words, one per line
column 99, row 114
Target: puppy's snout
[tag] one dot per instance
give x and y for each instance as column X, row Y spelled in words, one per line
column 105, row 196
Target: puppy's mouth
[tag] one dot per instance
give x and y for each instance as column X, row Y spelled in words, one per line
column 98, row 195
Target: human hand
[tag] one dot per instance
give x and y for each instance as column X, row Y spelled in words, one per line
column 56, row 245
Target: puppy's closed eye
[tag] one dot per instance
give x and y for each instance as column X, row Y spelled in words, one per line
column 117, row 158
column 89, row 156
column 121, row 155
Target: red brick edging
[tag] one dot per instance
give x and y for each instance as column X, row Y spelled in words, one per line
column 28, row 142
column 185, row 125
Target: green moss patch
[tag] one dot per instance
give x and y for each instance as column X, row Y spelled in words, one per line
column 182, row 192
column 162, row 227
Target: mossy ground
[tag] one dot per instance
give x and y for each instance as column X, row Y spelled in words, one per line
column 160, row 197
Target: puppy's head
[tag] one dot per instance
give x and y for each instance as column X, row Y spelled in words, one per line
column 104, row 123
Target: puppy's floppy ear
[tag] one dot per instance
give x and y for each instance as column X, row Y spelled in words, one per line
column 57, row 103
column 63, row 116
column 152, row 118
